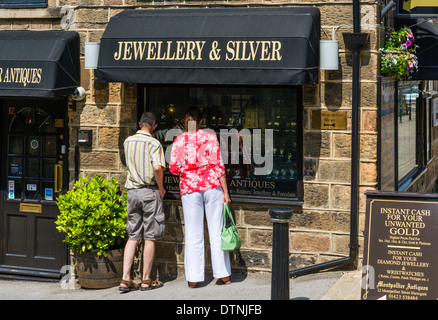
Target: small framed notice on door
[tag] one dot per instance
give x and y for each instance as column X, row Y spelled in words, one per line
column 31, row 187
column 48, row 194
column 11, row 193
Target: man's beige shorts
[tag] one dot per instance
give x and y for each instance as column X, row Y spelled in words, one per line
column 145, row 218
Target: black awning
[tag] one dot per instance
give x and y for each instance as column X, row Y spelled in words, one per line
column 426, row 37
column 251, row 46
column 39, row 63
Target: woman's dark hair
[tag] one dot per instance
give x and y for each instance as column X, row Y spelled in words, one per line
column 194, row 113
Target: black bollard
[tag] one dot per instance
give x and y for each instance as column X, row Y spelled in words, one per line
column 280, row 253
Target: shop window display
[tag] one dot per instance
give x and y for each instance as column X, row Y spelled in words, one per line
column 259, row 129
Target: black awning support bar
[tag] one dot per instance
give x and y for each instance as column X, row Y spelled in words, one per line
column 354, row 244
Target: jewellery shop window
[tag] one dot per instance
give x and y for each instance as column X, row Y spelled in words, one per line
column 259, row 129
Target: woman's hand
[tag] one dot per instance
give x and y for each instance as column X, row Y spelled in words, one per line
column 223, row 182
column 227, row 199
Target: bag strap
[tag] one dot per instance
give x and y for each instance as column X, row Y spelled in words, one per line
column 227, row 212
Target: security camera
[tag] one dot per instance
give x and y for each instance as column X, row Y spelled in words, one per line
column 78, row 94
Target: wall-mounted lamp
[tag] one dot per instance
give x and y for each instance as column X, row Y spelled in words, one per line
column 329, row 54
column 91, row 54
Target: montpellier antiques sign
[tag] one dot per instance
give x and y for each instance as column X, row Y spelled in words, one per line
column 22, row 76
column 39, row 63
column 401, row 238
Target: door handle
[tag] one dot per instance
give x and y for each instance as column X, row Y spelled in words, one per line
column 58, row 178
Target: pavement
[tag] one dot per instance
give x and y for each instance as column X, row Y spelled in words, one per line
column 327, row 285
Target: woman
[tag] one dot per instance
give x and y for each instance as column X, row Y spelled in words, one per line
column 197, row 160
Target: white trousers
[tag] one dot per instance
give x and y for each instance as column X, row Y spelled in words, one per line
column 193, row 206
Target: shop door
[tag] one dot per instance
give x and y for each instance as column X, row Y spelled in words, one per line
column 33, row 170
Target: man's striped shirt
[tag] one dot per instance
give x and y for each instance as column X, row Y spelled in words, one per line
column 142, row 153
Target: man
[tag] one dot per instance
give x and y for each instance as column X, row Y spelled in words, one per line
column 145, row 162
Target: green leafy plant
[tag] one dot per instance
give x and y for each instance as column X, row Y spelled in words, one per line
column 399, row 58
column 93, row 215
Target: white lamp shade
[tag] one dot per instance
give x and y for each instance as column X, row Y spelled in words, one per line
column 329, row 54
column 91, row 54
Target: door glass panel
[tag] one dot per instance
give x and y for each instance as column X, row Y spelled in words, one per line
column 17, row 125
column 40, row 116
column 47, row 126
column 44, row 122
column 49, row 145
column 27, row 116
column 48, row 168
column 16, row 144
column 31, row 168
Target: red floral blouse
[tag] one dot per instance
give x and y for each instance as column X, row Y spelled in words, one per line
column 196, row 158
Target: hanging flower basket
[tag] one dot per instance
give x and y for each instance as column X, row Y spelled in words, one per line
column 399, row 58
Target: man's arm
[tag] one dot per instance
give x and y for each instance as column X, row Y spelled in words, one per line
column 158, row 172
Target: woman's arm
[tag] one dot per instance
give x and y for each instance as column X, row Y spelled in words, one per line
column 224, row 185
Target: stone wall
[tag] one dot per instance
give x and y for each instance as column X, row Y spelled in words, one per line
column 320, row 231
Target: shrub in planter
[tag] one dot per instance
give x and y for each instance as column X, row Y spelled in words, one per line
column 93, row 220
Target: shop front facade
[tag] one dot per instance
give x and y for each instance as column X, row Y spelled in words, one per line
column 39, row 70
column 286, row 127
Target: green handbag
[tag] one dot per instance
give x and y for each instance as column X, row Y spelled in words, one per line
column 230, row 239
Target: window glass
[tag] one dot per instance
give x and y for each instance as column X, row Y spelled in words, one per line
column 407, row 127
column 16, row 144
column 49, row 145
column 257, row 127
column 23, row 3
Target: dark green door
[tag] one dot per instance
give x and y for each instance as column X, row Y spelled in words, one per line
column 34, row 155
